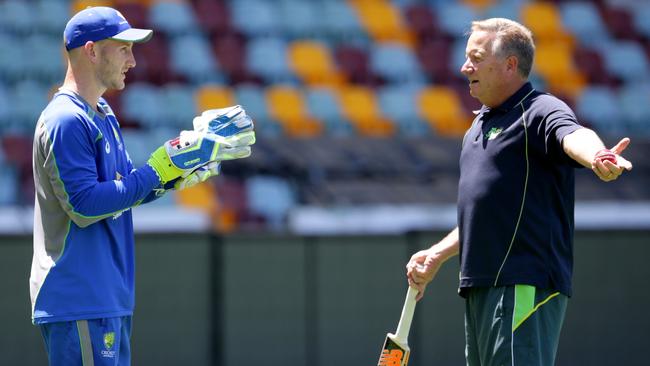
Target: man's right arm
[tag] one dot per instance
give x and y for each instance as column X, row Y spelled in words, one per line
column 424, row 264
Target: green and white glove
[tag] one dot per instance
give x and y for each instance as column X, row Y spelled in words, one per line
column 181, row 156
column 200, row 175
column 225, row 122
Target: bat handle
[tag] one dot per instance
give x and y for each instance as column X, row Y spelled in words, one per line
column 405, row 319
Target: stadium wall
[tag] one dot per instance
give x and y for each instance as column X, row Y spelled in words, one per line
column 288, row 300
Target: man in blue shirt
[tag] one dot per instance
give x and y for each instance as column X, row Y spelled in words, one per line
column 82, row 277
column 515, row 203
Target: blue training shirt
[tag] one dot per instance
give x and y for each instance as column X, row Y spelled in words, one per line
column 83, row 263
column 516, row 195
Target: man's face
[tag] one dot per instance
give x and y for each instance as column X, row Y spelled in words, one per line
column 116, row 58
column 485, row 71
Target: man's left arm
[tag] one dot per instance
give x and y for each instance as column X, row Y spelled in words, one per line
column 585, row 147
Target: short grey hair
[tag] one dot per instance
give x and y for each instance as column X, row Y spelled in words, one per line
column 512, row 39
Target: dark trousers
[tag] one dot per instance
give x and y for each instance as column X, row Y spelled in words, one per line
column 513, row 326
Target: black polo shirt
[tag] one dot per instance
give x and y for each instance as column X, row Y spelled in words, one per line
column 516, row 195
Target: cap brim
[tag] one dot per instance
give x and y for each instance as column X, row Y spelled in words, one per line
column 134, row 35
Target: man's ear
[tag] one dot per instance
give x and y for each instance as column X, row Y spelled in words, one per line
column 91, row 51
column 512, row 62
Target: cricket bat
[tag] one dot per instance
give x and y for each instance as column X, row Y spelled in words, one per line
column 396, row 350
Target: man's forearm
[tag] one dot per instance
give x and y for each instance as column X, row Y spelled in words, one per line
column 448, row 246
column 582, row 145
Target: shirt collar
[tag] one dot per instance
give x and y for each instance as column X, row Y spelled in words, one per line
column 512, row 101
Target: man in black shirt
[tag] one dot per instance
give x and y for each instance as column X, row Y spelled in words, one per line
column 515, row 203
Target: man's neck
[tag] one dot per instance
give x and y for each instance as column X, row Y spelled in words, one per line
column 510, row 90
column 86, row 89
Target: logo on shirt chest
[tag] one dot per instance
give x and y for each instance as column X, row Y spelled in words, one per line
column 493, row 133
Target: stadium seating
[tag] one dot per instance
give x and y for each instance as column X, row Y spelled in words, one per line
column 344, row 93
column 455, row 18
column 213, row 96
column 173, row 17
column 323, row 105
column 286, row 105
column 360, row 106
column 313, row 63
column 383, row 21
column 255, row 17
column 397, row 103
column 442, row 109
column 192, row 57
column 267, row 57
column 303, row 19
column 582, row 19
column 597, row 106
column 395, row 63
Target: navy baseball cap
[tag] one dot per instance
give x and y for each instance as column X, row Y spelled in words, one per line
column 98, row 23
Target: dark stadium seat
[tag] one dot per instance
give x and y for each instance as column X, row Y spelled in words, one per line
column 153, row 62
column 422, row 20
column 353, row 61
column 433, row 55
column 230, row 49
column 137, row 14
column 619, row 22
column 213, row 16
column 590, row 63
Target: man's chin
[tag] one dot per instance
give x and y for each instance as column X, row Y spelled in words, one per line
column 117, row 86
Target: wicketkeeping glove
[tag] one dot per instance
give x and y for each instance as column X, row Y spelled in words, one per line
column 200, row 175
column 179, row 157
column 225, row 122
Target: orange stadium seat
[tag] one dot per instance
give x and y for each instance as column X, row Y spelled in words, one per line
column 79, row 5
column 479, row 4
column 204, row 197
column 443, row 110
column 287, row 106
column 545, row 21
column 554, row 62
column 314, row 64
column 383, row 21
column 142, row 2
column 359, row 106
column 211, row 97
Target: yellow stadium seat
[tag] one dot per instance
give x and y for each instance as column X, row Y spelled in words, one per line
column 544, row 20
column 204, row 197
column 383, row 21
column 142, row 2
column 359, row 105
column 479, row 4
column 442, row 109
column 554, row 62
column 287, row 106
column 201, row 196
column 313, row 63
column 79, row 5
column 211, row 97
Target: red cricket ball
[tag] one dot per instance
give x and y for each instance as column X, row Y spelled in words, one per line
column 606, row 155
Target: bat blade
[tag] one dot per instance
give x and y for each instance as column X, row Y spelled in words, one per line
column 394, row 353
